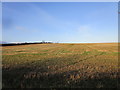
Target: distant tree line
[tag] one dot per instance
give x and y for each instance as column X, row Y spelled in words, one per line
column 26, row 43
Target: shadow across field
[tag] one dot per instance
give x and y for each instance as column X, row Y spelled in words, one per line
column 22, row 78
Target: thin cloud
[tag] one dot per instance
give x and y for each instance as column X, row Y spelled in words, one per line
column 20, row 28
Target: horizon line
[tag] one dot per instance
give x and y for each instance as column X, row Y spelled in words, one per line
column 59, row 41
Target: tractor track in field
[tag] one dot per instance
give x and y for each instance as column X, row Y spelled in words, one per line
column 72, row 64
column 69, row 65
column 94, row 56
column 33, row 62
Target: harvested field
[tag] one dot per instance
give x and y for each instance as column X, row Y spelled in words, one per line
column 60, row 65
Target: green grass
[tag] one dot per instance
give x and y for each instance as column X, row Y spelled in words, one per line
column 86, row 52
column 60, row 65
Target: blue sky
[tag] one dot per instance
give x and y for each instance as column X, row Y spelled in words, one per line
column 65, row 22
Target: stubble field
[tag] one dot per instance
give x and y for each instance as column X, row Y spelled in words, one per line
column 60, row 65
